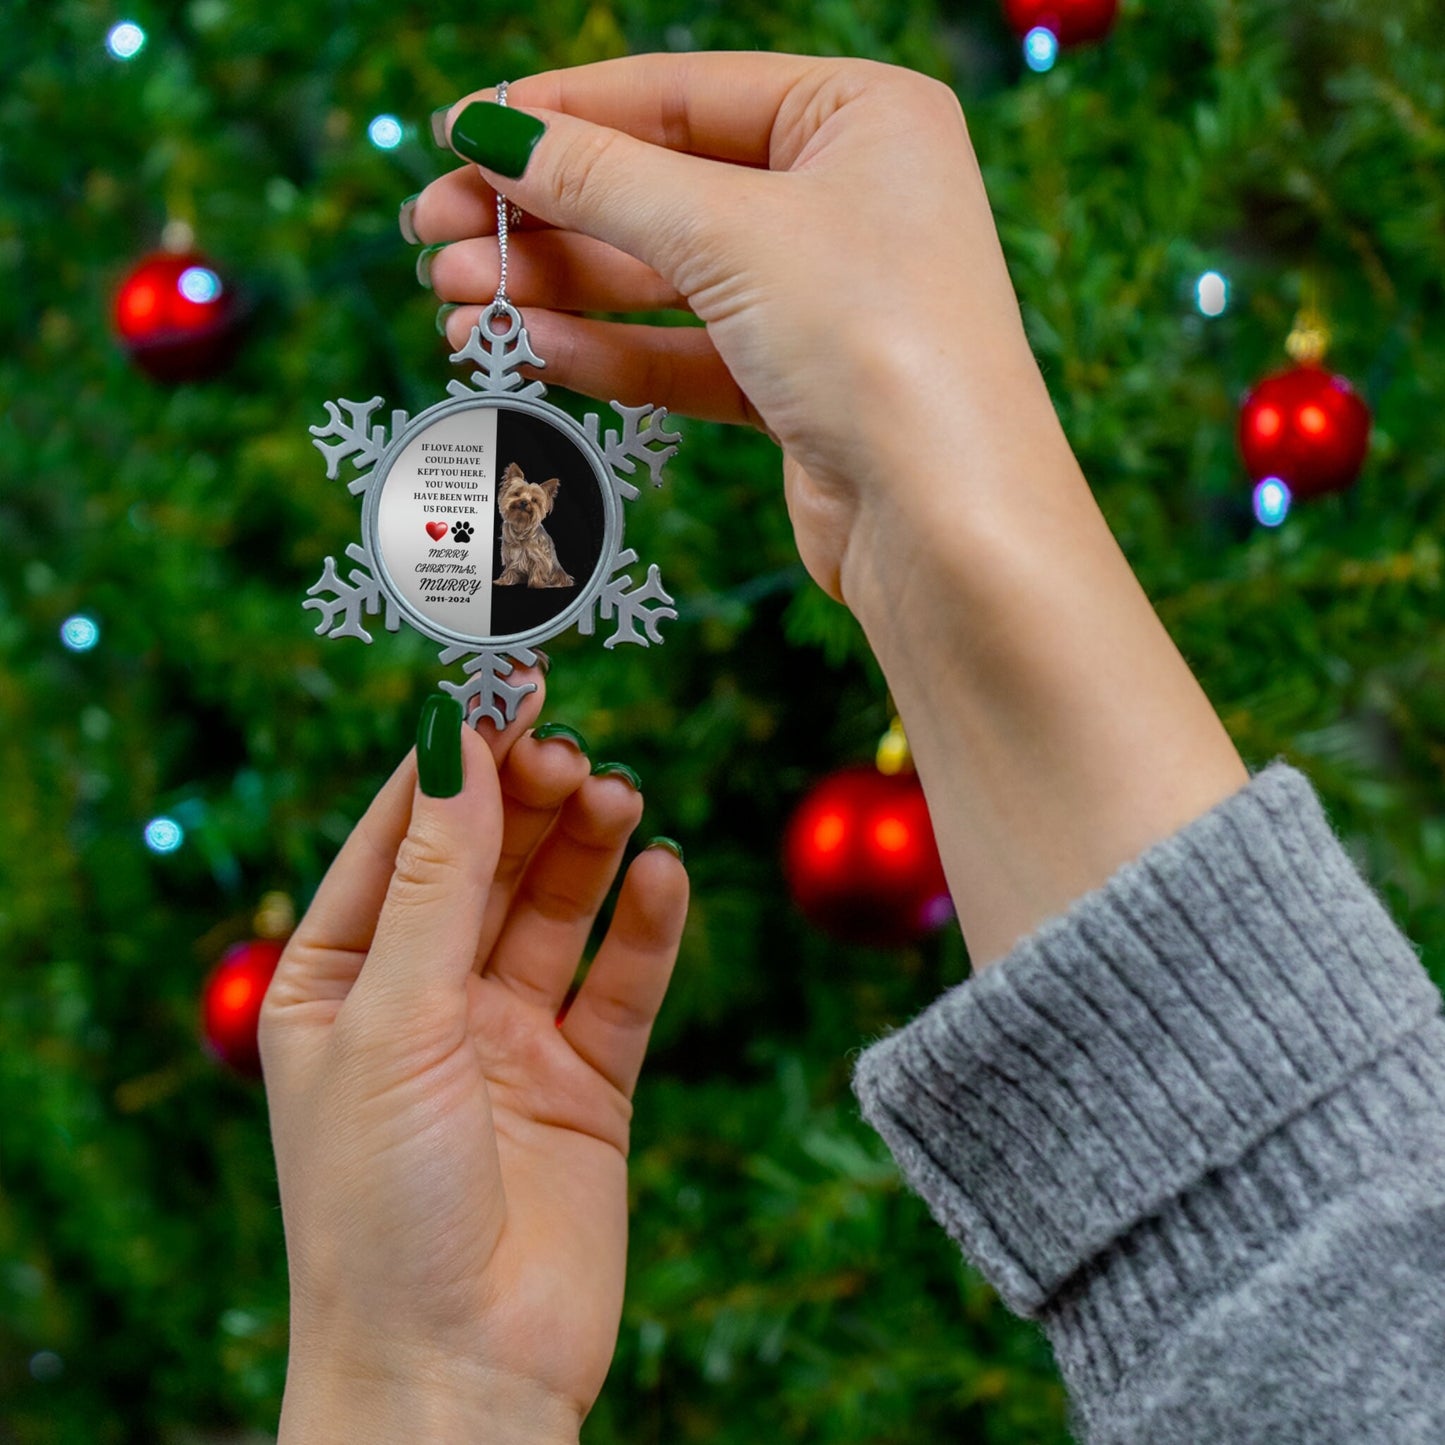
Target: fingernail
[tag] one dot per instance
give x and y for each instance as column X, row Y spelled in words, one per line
column 617, row 770
column 423, row 263
column 439, row 747
column 496, row 136
column 443, row 311
column 671, row 844
column 404, row 220
column 543, row 661
column 561, row 730
column 439, row 126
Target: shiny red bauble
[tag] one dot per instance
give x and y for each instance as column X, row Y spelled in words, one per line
column 861, row 860
column 1307, row 427
column 1073, row 22
column 176, row 317
column 231, row 1003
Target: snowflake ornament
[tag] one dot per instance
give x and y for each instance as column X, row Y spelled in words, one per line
column 492, row 521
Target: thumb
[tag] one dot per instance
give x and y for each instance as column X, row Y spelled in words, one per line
column 668, row 209
column 426, row 935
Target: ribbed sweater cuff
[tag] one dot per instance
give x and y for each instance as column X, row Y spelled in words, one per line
column 1223, row 983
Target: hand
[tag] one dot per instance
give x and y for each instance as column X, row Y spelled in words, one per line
column 827, row 221
column 451, row 1161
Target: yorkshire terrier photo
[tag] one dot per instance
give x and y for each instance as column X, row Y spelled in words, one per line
column 528, row 554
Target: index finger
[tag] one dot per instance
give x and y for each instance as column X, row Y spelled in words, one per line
column 723, row 105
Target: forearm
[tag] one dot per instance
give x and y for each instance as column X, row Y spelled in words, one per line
column 1057, row 730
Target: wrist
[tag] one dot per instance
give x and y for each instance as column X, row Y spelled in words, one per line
column 400, row 1396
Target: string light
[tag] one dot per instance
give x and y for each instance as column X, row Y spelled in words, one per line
column 80, row 633
column 164, row 835
column 385, row 132
column 1041, row 48
column 1211, row 294
column 126, row 40
column 1271, row 502
column 199, row 284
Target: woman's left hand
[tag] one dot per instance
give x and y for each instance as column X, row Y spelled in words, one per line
column 452, row 1159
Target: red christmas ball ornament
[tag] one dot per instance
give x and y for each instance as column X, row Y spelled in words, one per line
column 231, row 1003
column 1307, row 427
column 1071, row 22
column 861, row 860
column 176, row 318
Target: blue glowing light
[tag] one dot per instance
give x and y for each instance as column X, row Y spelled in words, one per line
column 126, row 40
column 199, row 284
column 1041, row 48
column 385, row 132
column 1211, row 293
column 164, row 835
column 1271, row 502
column 80, row 633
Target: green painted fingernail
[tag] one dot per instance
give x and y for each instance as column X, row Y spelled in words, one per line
column 617, row 770
column 439, row 747
column 439, row 126
column 423, row 263
column 671, row 844
column 496, row 136
column 443, row 311
column 404, row 220
column 561, row 730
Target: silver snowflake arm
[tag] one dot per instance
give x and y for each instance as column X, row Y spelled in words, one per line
column 499, row 355
column 359, row 440
column 643, row 438
column 351, row 598
column 484, row 693
column 630, row 606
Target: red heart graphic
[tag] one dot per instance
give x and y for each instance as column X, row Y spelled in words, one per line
column 436, row 530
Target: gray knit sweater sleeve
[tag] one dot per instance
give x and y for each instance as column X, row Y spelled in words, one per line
column 1196, row 1127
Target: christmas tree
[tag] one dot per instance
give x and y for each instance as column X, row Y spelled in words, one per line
column 178, row 744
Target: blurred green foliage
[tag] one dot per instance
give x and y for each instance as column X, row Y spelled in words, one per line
column 783, row 1285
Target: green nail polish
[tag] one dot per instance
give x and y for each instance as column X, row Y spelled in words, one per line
column 671, row 844
column 617, row 770
column 405, row 222
column 439, row 747
column 439, row 126
column 561, row 730
column 443, row 312
column 496, row 136
column 423, row 263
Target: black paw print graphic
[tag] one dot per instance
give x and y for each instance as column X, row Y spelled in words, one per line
column 461, row 533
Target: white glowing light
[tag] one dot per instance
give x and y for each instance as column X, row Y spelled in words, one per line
column 199, row 284
column 126, row 40
column 79, row 633
column 164, row 835
column 1041, row 48
column 385, row 132
column 1271, row 502
column 1211, row 293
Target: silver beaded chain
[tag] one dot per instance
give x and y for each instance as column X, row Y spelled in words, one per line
column 500, row 300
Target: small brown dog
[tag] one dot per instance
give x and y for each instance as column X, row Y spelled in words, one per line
column 527, row 551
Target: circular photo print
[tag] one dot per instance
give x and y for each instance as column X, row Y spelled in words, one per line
column 490, row 522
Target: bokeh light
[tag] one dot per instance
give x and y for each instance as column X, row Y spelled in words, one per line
column 385, row 132
column 1271, row 501
column 126, row 40
column 80, row 633
column 199, row 284
column 1041, row 48
column 1211, row 293
column 164, row 835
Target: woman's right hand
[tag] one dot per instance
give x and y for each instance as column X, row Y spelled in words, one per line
column 825, row 218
